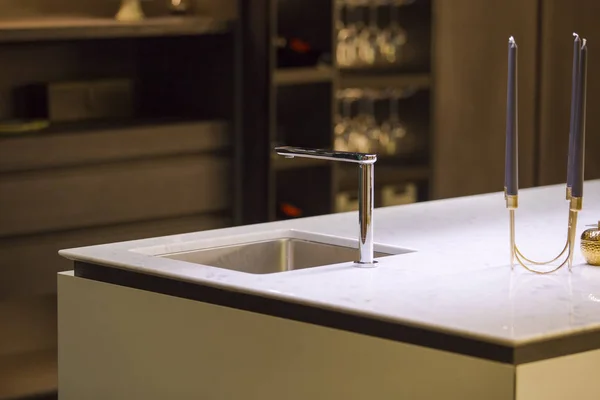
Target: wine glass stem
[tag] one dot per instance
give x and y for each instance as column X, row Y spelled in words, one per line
column 373, row 16
column 370, row 107
column 364, row 107
column 346, row 108
column 393, row 14
column 350, row 14
column 342, row 18
column 394, row 108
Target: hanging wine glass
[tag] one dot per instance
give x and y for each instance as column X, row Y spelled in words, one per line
column 339, row 122
column 368, row 49
column 373, row 130
column 343, row 127
column 356, row 137
column 367, row 133
column 395, row 130
column 384, row 132
column 393, row 38
column 346, row 48
column 343, row 33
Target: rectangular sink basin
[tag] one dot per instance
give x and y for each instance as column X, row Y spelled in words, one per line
column 273, row 255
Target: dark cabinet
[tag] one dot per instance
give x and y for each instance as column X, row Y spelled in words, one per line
column 470, row 64
column 560, row 18
column 470, row 70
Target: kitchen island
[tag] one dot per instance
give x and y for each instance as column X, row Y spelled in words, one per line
column 443, row 316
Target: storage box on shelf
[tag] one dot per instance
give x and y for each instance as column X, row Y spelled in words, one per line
column 385, row 195
column 394, row 185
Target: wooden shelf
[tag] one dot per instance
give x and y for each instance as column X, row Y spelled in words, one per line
column 296, row 76
column 110, row 125
column 110, row 141
column 383, row 81
column 74, row 28
column 280, row 163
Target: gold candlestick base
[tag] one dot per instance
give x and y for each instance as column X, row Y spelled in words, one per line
column 575, row 206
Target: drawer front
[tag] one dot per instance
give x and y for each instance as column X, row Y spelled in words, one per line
column 30, row 263
column 54, row 200
column 104, row 145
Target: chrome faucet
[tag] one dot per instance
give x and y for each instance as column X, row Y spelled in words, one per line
column 366, row 165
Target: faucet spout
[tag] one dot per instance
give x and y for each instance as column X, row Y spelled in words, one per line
column 357, row 158
column 366, row 177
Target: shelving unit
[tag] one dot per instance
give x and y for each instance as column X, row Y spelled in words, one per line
column 302, row 105
column 298, row 76
column 384, row 81
column 103, row 142
column 169, row 167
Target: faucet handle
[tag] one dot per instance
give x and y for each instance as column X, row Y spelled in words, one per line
column 346, row 156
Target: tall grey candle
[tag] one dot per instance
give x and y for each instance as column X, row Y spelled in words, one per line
column 511, row 174
column 574, row 96
column 579, row 140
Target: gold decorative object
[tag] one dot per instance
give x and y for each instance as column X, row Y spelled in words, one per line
column 180, row 6
column 130, row 11
column 590, row 245
column 18, row 126
column 575, row 166
column 575, row 205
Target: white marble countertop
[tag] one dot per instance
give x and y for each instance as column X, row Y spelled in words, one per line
column 457, row 281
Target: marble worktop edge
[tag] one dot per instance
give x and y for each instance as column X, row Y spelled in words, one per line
column 460, row 253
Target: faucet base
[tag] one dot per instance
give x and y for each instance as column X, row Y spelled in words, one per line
column 366, row 264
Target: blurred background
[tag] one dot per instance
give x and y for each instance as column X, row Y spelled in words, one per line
column 114, row 130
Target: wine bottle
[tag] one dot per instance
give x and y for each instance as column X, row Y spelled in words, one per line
column 287, row 210
column 297, row 52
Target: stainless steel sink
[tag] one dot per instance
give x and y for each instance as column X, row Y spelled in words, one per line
column 271, row 256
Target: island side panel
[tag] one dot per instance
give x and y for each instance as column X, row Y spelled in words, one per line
column 121, row 343
column 568, row 377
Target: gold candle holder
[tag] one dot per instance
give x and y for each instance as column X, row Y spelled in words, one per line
column 575, row 205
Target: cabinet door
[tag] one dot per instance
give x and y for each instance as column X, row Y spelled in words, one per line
column 470, row 70
column 560, row 18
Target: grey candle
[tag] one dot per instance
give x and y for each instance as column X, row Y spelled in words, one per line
column 579, row 139
column 511, row 175
column 574, row 96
